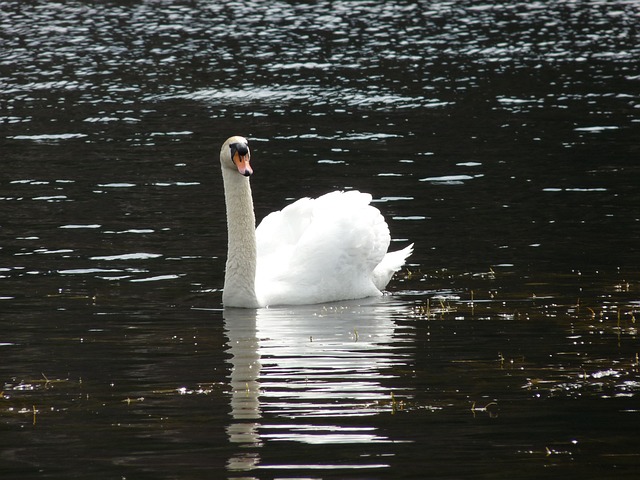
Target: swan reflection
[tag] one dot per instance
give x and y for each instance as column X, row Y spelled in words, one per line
column 292, row 366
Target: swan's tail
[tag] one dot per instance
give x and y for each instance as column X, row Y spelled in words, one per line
column 390, row 264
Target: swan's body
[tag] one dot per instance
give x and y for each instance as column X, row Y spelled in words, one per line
column 312, row 251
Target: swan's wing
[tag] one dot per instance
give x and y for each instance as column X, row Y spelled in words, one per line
column 321, row 249
column 281, row 230
column 277, row 237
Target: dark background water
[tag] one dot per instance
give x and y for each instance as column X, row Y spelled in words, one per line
column 501, row 138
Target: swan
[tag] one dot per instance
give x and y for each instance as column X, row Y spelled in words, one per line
column 326, row 249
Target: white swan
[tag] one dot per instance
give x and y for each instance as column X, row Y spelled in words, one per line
column 313, row 251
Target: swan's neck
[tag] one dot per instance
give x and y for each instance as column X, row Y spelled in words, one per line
column 240, row 273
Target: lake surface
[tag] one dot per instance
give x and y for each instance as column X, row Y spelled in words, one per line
column 502, row 139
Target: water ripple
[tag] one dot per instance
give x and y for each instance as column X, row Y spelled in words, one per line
column 111, row 53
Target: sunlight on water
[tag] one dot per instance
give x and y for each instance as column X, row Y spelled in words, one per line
column 128, row 256
column 48, row 137
column 501, row 138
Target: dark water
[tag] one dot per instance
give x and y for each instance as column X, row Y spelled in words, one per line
column 501, row 138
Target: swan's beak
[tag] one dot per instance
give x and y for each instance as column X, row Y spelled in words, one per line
column 240, row 156
column 242, row 162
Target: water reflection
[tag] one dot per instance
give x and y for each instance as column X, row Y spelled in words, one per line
column 244, row 347
column 305, row 375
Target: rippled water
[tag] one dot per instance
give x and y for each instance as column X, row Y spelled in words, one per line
column 501, row 138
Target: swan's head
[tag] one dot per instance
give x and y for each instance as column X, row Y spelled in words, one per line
column 235, row 154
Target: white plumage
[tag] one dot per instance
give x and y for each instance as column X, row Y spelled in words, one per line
column 313, row 251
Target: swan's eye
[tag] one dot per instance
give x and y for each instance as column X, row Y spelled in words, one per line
column 241, row 148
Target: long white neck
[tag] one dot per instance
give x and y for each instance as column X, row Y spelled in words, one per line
column 240, row 273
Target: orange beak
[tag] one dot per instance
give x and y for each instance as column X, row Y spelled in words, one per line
column 242, row 163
